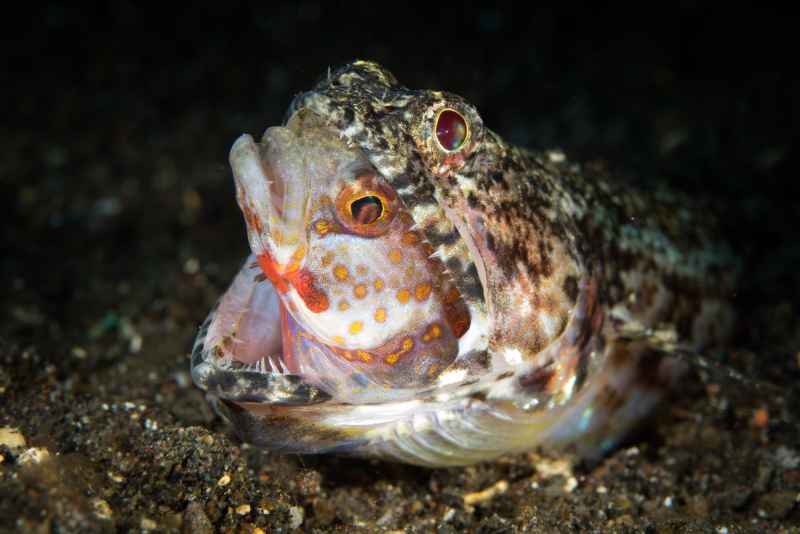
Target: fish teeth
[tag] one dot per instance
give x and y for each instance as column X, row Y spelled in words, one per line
column 275, row 367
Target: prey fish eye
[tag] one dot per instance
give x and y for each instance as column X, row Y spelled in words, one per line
column 366, row 209
column 421, row 291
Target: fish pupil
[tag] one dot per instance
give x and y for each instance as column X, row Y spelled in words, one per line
column 366, row 210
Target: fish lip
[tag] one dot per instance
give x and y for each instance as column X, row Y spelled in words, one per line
column 270, row 178
column 239, row 385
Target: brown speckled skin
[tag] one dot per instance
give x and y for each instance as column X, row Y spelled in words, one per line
column 578, row 288
column 540, row 221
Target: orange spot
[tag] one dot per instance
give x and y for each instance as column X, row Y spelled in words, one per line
column 268, row 267
column 403, row 295
column 380, row 315
column 356, row 327
column 297, row 257
column 378, row 284
column 760, row 418
column 347, row 354
column 433, row 332
column 407, row 345
column 361, row 269
column 406, row 218
column 410, row 238
column 339, row 340
column 395, row 256
column 360, row 291
column 432, row 369
column 314, row 298
column 322, row 227
column 344, row 305
column 340, row 272
column 364, row 356
column 422, row 291
column 302, row 280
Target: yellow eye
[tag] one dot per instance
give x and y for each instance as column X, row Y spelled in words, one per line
column 367, row 209
column 367, row 206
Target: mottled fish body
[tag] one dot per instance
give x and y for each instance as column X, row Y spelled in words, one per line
column 420, row 290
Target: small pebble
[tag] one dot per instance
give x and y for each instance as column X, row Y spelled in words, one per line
column 760, row 418
column 101, row 509
column 224, row 480
column 243, row 509
column 296, row 516
column 12, row 438
column 498, row 488
column 191, row 266
column 148, row 524
column 33, row 456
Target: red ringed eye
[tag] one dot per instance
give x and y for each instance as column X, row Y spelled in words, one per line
column 367, row 209
column 451, row 130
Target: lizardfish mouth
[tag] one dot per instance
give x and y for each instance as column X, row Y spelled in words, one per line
column 238, row 353
column 251, row 350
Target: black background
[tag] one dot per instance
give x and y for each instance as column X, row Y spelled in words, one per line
column 703, row 97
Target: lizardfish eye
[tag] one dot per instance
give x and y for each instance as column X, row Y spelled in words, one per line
column 452, row 131
column 367, row 209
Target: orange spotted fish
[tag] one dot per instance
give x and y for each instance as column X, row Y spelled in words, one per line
column 420, row 290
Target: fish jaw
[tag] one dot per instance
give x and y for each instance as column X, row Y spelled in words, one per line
column 272, row 193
